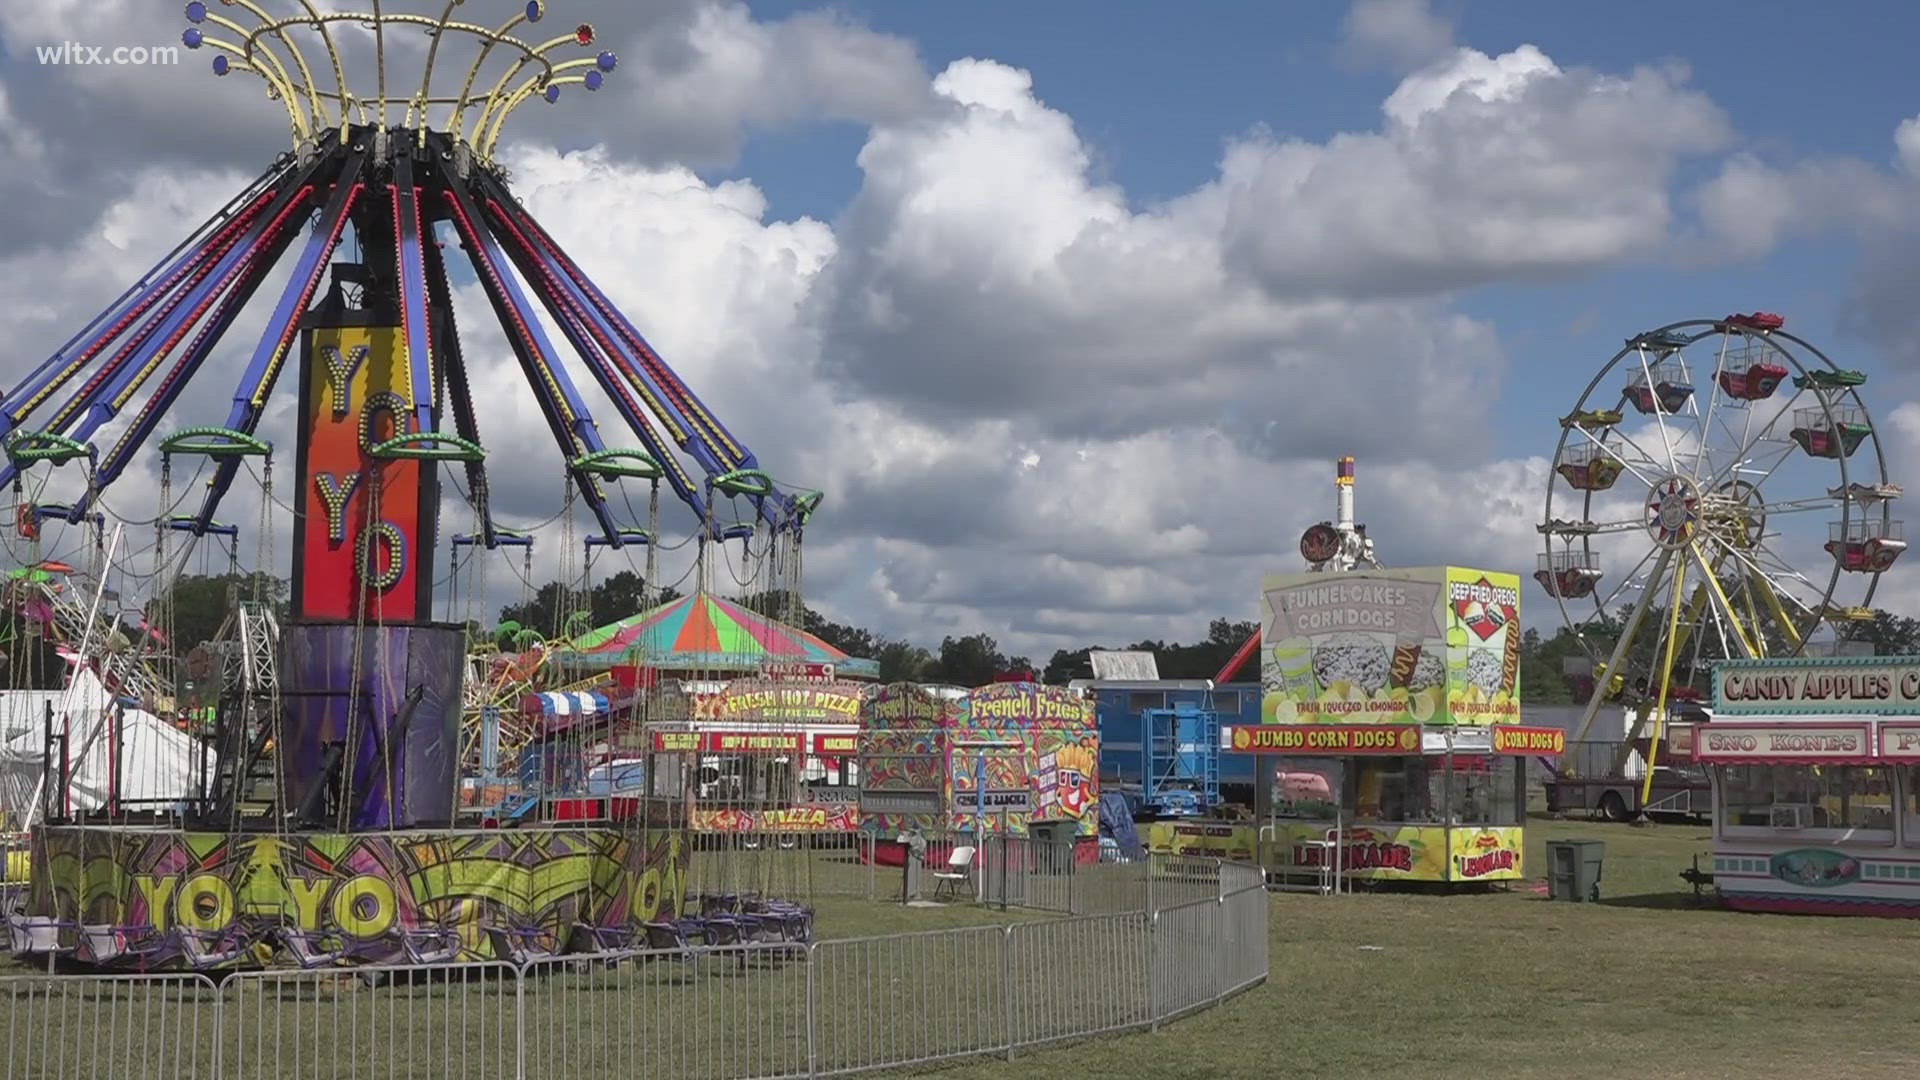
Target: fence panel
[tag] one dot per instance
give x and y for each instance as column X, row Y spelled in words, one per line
column 1186, row 969
column 136, row 1026
column 763, row 1010
column 734, row 1011
column 1242, row 951
column 908, row 998
column 452, row 1021
column 1077, row 977
column 1182, row 879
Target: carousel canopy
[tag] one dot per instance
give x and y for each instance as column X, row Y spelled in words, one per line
column 705, row 633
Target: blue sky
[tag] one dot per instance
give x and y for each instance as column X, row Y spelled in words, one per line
column 1158, row 92
column 900, row 273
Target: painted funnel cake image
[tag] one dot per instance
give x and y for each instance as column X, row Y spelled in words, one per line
column 1486, row 670
column 1355, row 659
column 1429, row 672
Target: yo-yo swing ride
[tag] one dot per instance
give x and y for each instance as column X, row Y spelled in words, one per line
column 331, row 770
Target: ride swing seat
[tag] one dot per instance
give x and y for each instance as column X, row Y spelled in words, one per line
column 1756, row 383
column 1866, row 547
column 1836, row 437
column 1663, row 396
column 104, row 943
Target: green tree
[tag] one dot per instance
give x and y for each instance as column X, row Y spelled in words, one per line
column 1889, row 634
column 970, row 661
column 902, row 661
column 610, row 600
column 196, row 605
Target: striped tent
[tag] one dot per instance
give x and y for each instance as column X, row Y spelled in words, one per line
column 705, row 633
column 564, row 704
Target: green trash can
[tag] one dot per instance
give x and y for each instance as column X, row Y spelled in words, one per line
column 1573, row 869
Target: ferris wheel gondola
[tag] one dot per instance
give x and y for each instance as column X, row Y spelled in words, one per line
column 1718, row 491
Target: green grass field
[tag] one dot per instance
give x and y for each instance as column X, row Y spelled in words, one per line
column 1505, row 984
column 1511, row 985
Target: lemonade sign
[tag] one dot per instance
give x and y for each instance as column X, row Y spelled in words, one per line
column 1435, row 645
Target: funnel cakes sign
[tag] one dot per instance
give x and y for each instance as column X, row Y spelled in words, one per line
column 1425, row 646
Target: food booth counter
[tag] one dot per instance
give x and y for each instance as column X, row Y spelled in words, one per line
column 1392, row 802
column 1815, row 765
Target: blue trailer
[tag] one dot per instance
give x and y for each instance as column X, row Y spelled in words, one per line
column 1160, row 743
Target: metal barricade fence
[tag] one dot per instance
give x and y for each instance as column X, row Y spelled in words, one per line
column 1186, row 971
column 707, row 1014
column 443, row 1021
column 1197, row 932
column 109, row 1026
column 907, row 999
column 1077, row 977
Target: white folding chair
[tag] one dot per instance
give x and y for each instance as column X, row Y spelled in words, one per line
column 959, row 869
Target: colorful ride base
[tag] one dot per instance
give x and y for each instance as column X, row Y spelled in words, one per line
column 128, row 898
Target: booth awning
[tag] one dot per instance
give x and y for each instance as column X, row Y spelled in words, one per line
column 566, row 705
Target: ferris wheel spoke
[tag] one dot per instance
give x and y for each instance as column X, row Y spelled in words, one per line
column 1626, row 463
column 1780, row 458
column 1781, row 569
column 1722, row 607
column 1713, row 408
column 1626, row 580
column 1659, row 413
column 1797, row 506
column 1655, row 466
column 1607, row 527
column 1748, row 441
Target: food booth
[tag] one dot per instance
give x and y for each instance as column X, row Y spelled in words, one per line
column 1391, row 802
column 752, row 756
column 1815, row 765
column 1011, row 758
column 1390, row 745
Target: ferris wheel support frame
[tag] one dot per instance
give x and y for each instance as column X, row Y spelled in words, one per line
column 1652, row 349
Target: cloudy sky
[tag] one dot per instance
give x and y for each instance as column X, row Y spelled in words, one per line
column 1069, row 309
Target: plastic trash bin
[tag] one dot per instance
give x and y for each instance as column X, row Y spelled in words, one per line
column 1573, row 869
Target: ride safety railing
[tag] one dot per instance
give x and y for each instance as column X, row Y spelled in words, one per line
column 1196, row 933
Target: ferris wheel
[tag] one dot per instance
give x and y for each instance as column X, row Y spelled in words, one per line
column 1718, row 491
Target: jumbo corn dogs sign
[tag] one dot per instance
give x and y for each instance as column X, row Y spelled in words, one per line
column 1439, row 645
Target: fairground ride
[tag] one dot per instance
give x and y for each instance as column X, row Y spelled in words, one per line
column 331, row 772
column 1718, row 491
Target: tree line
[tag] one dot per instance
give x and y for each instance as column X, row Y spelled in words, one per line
column 197, row 605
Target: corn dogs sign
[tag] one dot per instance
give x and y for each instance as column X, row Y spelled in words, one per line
column 1333, row 739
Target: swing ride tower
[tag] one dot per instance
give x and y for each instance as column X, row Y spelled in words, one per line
column 361, row 736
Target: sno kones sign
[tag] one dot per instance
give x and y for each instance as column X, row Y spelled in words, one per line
column 1845, row 685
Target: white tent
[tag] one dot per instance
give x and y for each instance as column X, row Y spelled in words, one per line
column 157, row 761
